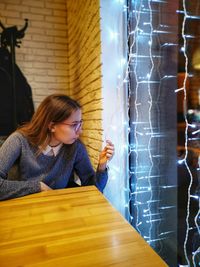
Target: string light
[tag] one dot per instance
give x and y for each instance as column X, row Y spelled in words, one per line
column 184, row 50
column 144, row 29
column 116, row 127
column 146, row 187
column 140, row 128
column 145, row 208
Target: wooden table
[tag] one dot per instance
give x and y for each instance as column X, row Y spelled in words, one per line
column 69, row 228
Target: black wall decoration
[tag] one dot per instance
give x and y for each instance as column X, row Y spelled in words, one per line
column 16, row 104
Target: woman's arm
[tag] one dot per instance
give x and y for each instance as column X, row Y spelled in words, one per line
column 106, row 155
column 12, row 189
column 9, row 152
column 85, row 171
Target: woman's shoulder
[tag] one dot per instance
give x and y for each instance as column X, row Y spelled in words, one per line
column 13, row 141
column 79, row 144
column 16, row 137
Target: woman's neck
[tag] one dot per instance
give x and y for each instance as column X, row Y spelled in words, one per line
column 54, row 145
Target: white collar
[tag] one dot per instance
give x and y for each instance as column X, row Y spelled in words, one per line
column 52, row 151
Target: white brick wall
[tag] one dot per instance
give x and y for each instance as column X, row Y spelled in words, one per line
column 84, row 69
column 43, row 53
column 61, row 53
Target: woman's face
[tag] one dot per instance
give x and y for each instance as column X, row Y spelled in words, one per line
column 67, row 131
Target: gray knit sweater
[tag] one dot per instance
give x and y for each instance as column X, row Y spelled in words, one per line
column 55, row 171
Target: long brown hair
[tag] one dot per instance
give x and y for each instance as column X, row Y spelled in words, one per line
column 54, row 108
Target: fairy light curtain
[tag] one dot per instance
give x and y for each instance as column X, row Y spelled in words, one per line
column 152, row 33
column 140, row 48
column 155, row 43
column 115, row 105
column 188, row 170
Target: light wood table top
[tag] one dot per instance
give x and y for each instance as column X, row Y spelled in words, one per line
column 74, row 227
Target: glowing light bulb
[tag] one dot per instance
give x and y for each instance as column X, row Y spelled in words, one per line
column 113, row 35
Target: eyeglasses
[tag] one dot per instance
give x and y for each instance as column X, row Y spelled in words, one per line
column 75, row 126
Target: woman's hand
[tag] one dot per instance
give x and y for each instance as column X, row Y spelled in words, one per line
column 44, row 187
column 106, row 155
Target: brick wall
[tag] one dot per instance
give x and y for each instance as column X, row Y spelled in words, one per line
column 84, row 68
column 43, row 53
column 61, row 53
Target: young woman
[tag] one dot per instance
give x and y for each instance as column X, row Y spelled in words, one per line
column 49, row 152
